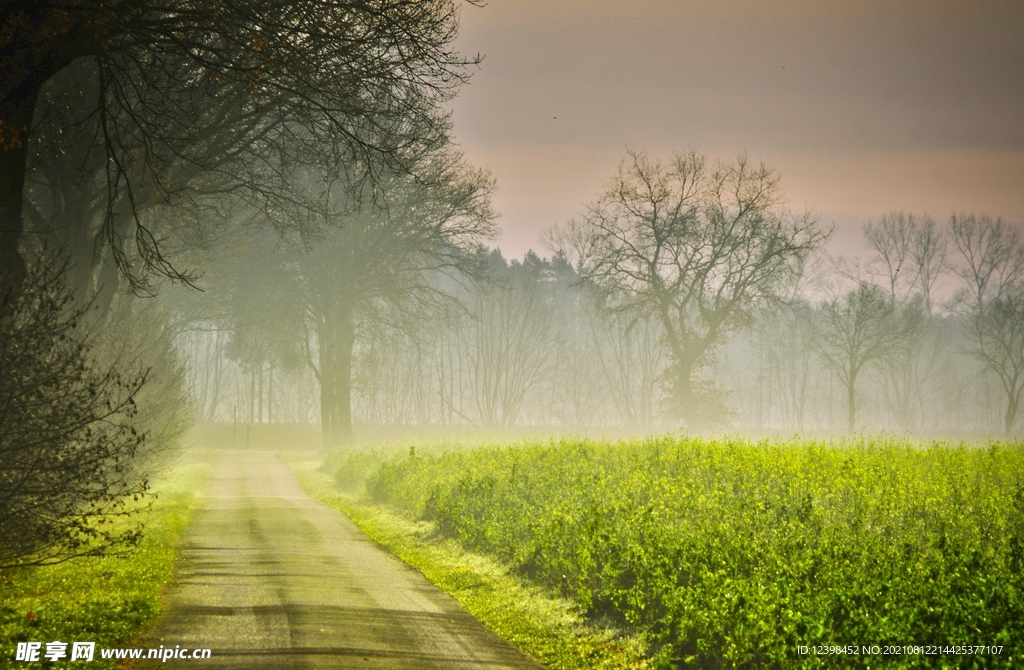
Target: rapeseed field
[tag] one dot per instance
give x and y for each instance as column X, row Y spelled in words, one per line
column 728, row 553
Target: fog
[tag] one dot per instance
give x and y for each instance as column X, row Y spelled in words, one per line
column 811, row 222
column 451, row 333
column 530, row 345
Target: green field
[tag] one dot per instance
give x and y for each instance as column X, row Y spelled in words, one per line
column 733, row 554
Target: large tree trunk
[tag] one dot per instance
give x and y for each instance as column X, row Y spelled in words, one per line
column 337, row 339
column 683, row 393
column 14, row 126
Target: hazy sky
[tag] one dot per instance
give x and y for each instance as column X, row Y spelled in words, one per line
column 862, row 106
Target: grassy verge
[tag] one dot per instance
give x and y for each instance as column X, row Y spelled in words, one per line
column 547, row 629
column 105, row 600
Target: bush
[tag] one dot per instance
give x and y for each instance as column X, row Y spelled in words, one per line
column 67, row 439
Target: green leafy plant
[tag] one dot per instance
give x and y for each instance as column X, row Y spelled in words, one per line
column 733, row 554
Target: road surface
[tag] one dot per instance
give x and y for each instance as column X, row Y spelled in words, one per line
column 270, row 578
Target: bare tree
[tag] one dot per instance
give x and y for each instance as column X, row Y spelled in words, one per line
column 858, row 329
column 633, row 358
column 998, row 343
column 914, row 362
column 991, row 263
column 698, row 248
column 382, row 265
column 928, row 251
column 891, row 238
column 788, row 337
column 991, row 259
column 510, row 335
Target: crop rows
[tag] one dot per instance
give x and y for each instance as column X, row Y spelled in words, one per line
column 733, row 554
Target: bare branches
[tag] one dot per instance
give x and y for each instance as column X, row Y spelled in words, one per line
column 998, row 343
column 197, row 90
column 860, row 328
column 991, row 255
column 699, row 247
column 67, row 435
column 912, row 252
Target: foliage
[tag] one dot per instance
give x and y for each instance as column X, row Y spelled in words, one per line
column 546, row 628
column 67, row 433
column 731, row 554
column 191, row 92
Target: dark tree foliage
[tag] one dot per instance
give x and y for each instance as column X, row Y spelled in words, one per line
column 366, row 74
column 66, row 435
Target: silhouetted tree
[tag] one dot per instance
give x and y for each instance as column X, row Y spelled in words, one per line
column 997, row 341
column 509, row 338
column 991, row 263
column 699, row 248
column 991, row 257
column 381, row 264
column 858, row 329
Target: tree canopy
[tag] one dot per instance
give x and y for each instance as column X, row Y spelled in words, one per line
column 368, row 76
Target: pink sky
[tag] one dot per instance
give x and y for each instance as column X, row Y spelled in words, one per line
column 862, row 108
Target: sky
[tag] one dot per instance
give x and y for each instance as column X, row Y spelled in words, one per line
column 862, row 106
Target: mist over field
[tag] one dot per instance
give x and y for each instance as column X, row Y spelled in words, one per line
column 651, row 334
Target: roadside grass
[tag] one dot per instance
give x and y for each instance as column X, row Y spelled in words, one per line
column 548, row 629
column 106, row 600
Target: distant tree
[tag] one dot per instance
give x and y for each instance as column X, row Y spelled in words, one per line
column 928, row 253
column 632, row 359
column 997, row 341
column 382, row 264
column 991, row 256
column 509, row 338
column 991, row 263
column 262, row 313
column 911, row 252
column 699, row 248
column 915, row 363
column 788, row 337
column 68, row 436
column 890, row 238
column 858, row 329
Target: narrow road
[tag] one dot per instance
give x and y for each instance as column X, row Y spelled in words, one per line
column 270, row 578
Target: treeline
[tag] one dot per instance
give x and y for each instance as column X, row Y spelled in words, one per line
column 922, row 334
column 699, row 301
column 522, row 345
column 535, row 345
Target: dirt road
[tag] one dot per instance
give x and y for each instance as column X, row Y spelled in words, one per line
column 269, row 578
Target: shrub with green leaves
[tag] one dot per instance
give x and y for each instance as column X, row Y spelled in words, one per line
column 732, row 554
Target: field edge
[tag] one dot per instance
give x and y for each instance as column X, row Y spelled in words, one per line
column 545, row 628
